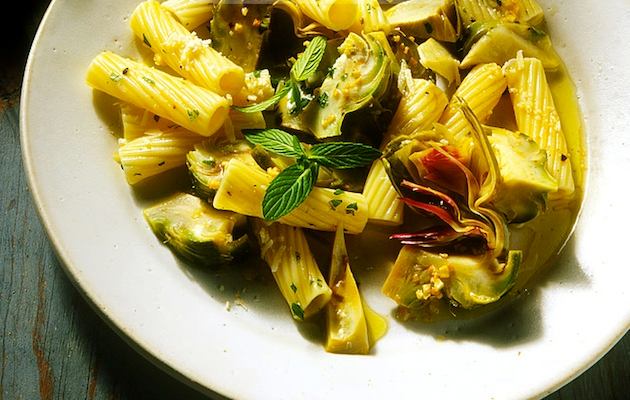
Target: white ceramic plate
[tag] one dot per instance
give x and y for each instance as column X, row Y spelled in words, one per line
column 177, row 316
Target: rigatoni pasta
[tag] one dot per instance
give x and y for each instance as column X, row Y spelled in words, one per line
column 537, row 117
column 285, row 249
column 243, row 188
column 191, row 13
column 183, row 51
column 333, row 14
column 195, row 108
column 481, row 89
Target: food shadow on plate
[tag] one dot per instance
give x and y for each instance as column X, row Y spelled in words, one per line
column 516, row 319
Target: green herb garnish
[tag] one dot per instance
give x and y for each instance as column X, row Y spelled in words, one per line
column 297, row 310
column 334, row 203
column 292, row 186
column 307, row 62
column 304, row 67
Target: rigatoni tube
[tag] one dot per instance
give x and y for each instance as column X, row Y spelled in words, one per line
column 191, row 13
column 285, row 249
column 384, row 205
column 333, row 14
column 195, row 108
column 243, row 188
column 537, row 117
column 481, row 90
column 152, row 154
column 183, row 51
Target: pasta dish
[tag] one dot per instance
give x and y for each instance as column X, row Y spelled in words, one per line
column 449, row 128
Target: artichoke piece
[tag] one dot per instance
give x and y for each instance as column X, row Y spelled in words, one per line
column 346, row 327
column 435, row 57
column 195, row 231
column 525, row 181
column 208, row 161
column 424, row 19
column 492, row 42
column 237, row 31
column 360, row 74
column 420, row 277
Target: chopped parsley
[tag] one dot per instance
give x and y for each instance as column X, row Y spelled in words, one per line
column 334, row 203
column 352, row 208
column 297, row 310
column 192, row 114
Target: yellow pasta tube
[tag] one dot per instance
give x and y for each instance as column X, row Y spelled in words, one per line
column 285, row 249
column 190, row 13
column 537, row 117
column 371, row 18
column 530, row 12
column 346, row 326
column 421, row 105
column 243, row 188
column 384, row 205
column 481, row 90
column 183, row 51
column 333, row 14
column 137, row 121
column 154, row 153
column 194, row 108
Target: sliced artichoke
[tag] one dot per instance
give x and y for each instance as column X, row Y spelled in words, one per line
column 525, row 181
column 207, row 162
column 493, row 42
column 419, row 277
column 237, row 31
column 424, row 19
column 360, row 74
column 195, row 231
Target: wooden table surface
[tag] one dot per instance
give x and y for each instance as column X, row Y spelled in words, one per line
column 54, row 346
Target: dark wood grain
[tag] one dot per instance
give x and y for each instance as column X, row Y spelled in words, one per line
column 53, row 346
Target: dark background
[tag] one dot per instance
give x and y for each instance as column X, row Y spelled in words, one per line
column 53, row 346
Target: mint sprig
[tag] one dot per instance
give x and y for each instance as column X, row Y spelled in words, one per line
column 276, row 141
column 305, row 66
column 289, row 189
column 343, row 155
column 292, row 186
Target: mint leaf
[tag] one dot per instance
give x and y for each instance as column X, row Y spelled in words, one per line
column 276, row 141
column 272, row 101
column 343, row 155
column 288, row 190
column 308, row 61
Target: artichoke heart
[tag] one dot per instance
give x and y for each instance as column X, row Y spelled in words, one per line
column 207, row 162
column 420, row 276
column 494, row 42
column 195, row 231
column 360, row 74
column 525, row 181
